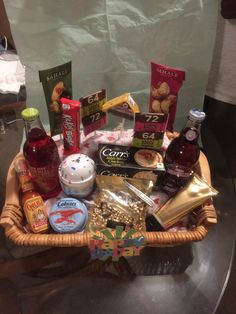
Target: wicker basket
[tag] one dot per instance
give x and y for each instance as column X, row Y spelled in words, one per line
column 12, row 221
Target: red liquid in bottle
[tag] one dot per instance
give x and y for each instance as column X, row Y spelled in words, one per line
column 184, row 150
column 183, row 153
column 41, row 153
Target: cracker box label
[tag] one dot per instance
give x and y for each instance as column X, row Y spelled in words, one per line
column 149, row 129
column 93, row 118
column 119, row 155
column 129, row 172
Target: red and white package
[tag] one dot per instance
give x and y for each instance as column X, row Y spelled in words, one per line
column 165, row 85
column 70, row 125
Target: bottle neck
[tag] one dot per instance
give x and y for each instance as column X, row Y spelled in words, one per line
column 35, row 124
column 191, row 125
column 25, row 181
column 191, row 131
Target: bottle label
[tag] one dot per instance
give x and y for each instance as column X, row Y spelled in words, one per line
column 34, row 209
column 191, row 135
column 45, row 178
column 175, row 178
column 178, row 171
column 23, row 175
column 25, row 181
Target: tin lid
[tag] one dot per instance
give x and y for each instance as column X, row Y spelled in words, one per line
column 76, row 169
column 68, row 215
column 197, row 115
column 30, row 114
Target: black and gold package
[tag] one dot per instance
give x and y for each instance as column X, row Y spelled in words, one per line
column 128, row 156
column 57, row 83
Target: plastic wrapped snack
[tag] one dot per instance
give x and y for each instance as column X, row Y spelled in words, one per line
column 116, row 205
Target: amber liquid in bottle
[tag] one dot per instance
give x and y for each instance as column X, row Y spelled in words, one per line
column 32, row 202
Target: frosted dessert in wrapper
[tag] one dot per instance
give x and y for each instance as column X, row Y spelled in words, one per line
column 165, row 85
column 57, row 83
column 70, row 119
column 77, row 174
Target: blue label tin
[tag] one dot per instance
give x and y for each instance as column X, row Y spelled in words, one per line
column 68, row 215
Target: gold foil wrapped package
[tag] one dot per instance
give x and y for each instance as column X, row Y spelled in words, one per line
column 193, row 195
column 116, row 205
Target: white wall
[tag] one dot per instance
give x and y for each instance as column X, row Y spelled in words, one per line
column 111, row 43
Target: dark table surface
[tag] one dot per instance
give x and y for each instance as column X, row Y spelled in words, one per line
column 185, row 279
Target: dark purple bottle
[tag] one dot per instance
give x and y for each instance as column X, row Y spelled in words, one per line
column 184, row 150
column 181, row 155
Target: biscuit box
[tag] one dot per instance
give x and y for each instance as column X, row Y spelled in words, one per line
column 129, row 172
column 128, row 156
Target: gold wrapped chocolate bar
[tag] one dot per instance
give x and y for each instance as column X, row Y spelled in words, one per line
column 116, row 204
column 188, row 198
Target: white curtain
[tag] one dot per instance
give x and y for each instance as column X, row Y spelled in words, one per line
column 111, row 44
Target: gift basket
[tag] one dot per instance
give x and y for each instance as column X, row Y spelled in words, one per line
column 90, row 183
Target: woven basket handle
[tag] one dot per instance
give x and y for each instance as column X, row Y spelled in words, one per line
column 11, row 215
column 207, row 213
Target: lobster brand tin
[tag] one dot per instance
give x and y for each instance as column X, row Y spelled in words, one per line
column 77, row 175
column 68, row 215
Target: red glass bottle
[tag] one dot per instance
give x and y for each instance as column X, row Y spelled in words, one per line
column 184, row 150
column 41, row 154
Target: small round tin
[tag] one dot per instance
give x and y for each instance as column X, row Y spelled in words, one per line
column 77, row 174
column 68, row 215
